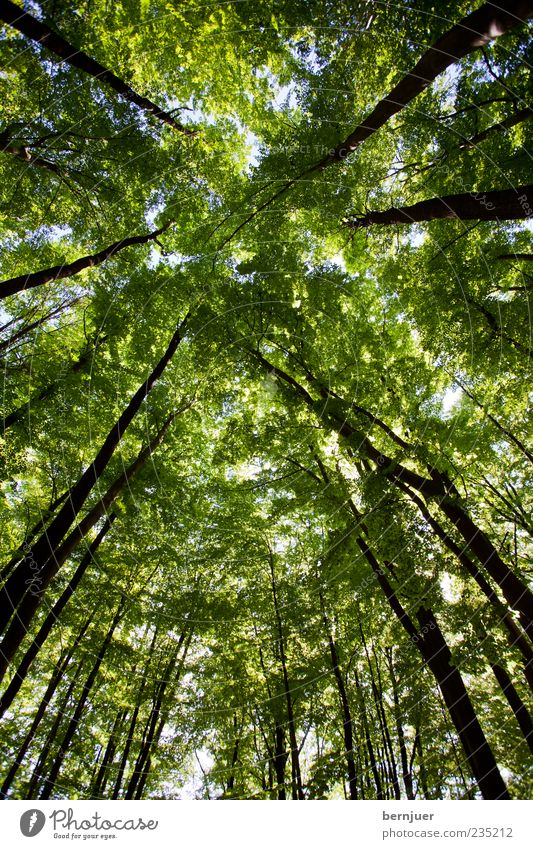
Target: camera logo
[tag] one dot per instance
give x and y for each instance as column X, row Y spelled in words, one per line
column 32, row 822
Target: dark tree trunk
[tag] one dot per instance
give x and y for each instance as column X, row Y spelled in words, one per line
column 470, row 34
column 57, row 675
column 521, row 713
column 280, row 759
column 515, row 637
column 154, row 727
column 480, row 757
column 99, row 784
column 297, row 789
column 434, row 649
column 377, row 689
column 507, row 204
column 44, row 631
column 407, row 774
column 133, row 722
column 347, row 722
column 72, row 726
column 45, row 516
column 467, row 36
column 42, row 34
column 29, row 580
column 61, row 712
column 517, row 594
column 69, row 269
column 235, row 754
column 515, row 591
column 368, row 739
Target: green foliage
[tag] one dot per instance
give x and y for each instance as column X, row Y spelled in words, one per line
column 236, row 548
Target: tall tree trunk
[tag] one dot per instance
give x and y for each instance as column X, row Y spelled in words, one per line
column 45, row 516
column 235, row 754
column 434, row 649
column 280, row 759
column 481, row 206
column 377, row 690
column 69, row 269
column 295, row 759
column 515, row 636
column 153, row 727
column 517, row 594
column 470, row 34
column 15, row 632
column 44, row 631
column 29, row 580
column 72, row 726
column 368, row 739
column 521, row 713
column 98, row 785
column 467, row 36
column 57, row 675
column 40, row 33
column 347, row 722
column 407, row 774
column 133, row 722
column 61, row 712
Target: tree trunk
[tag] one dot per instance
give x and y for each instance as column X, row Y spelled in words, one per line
column 133, row 723
column 407, row 774
column 69, row 269
column 297, row 789
column 347, row 723
column 517, row 594
column 521, row 713
column 152, row 729
column 38, row 772
column 235, row 754
column 35, row 571
column 57, row 675
column 377, row 690
column 434, row 649
column 467, row 36
column 368, row 739
column 280, row 759
column 39, row 526
column 72, row 727
column 481, row 206
column 515, row 637
column 40, row 33
column 44, row 631
column 102, row 776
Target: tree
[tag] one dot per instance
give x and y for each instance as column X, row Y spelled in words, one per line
column 266, row 468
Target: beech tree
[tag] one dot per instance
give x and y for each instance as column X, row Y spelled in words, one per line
column 265, row 464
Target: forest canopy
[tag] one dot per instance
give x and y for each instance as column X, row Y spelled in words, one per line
column 265, row 337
